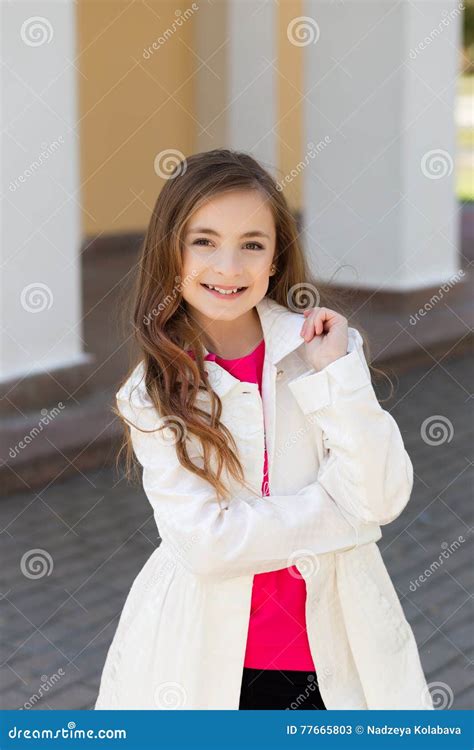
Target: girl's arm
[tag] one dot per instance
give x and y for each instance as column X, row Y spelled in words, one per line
column 251, row 535
column 367, row 469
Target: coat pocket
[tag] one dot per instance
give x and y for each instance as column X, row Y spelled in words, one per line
column 385, row 622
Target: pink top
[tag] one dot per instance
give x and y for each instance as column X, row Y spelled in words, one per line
column 277, row 637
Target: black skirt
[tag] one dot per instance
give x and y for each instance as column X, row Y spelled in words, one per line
column 277, row 689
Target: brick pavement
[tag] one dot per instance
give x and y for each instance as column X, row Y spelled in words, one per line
column 98, row 532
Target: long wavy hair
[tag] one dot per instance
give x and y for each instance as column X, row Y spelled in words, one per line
column 162, row 324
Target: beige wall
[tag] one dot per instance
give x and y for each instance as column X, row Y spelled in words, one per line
column 131, row 108
column 290, row 101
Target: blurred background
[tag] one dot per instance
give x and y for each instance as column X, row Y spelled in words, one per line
column 364, row 113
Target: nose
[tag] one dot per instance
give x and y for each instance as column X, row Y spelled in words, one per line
column 227, row 263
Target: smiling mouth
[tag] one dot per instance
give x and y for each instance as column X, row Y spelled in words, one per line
column 221, row 292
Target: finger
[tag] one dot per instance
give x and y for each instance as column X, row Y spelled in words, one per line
column 314, row 321
column 308, row 333
column 309, row 328
column 304, row 327
column 326, row 320
column 317, row 321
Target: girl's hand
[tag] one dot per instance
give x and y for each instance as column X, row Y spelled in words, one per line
column 326, row 336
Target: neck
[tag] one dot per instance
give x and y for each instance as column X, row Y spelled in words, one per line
column 231, row 339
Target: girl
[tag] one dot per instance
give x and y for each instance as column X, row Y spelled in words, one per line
column 270, row 467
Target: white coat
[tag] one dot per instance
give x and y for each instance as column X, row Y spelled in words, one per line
column 338, row 470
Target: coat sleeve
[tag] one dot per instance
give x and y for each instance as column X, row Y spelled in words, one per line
column 366, row 468
column 249, row 534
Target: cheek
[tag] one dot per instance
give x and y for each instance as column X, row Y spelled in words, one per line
column 188, row 259
column 193, row 262
column 261, row 270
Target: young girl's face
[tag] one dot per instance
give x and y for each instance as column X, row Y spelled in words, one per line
column 228, row 243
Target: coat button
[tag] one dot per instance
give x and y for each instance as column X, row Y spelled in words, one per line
column 279, row 374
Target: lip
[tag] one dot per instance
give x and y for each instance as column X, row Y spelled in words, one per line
column 224, row 296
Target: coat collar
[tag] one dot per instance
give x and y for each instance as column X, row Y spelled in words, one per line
column 281, row 331
column 281, row 328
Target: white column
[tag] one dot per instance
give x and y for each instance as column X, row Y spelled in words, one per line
column 236, row 88
column 40, row 216
column 379, row 196
column 236, row 84
column 251, row 106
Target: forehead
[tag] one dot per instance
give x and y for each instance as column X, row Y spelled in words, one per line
column 236, row 211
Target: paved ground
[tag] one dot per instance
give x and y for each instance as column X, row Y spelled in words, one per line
column 94, row 533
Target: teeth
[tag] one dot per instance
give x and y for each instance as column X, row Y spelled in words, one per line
column 222, row 291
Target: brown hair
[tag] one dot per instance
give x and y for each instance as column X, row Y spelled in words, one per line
column 172, row 378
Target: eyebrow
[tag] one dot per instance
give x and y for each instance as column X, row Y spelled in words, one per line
column 206, row 230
